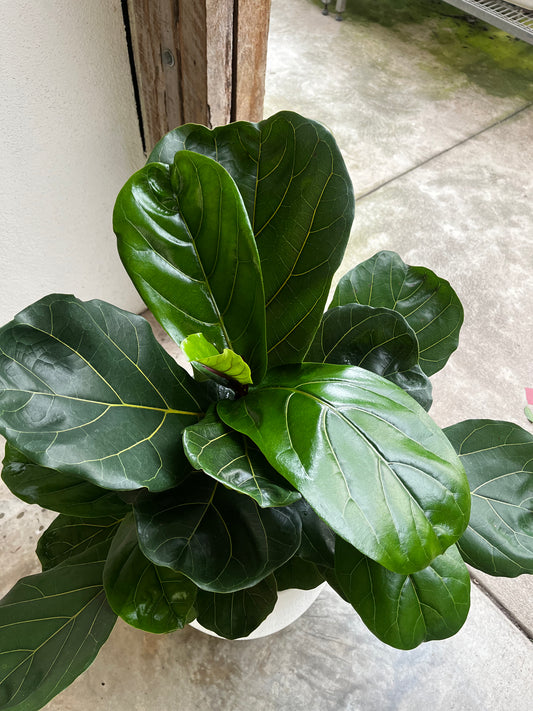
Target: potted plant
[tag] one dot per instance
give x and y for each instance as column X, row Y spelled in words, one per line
column 300, row 452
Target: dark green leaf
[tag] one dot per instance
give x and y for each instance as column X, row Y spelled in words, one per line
column 428, row 303
column 318, row 540
column 299, row 574
column 86, row 389
column 498, row 459
column 364, row 455
column 415, row 382
column 186, row 242
column 52, row 626
column 237, row 614
column 68, row 536
column 56, row 491
column 406, row 610
column 332, row 581
column 235, row 461
column 218, row 538
column 299, row 199
column 373, row 338
column 146, row 596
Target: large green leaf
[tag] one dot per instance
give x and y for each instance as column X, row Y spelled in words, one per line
column 376, row 339
column 364, row 455
column 318, row 540
column 86, row 389
column 406, row 610
column 52, row 626
column 186, row 241
column 428, row 303
column 299, row 199
column 235, row 461
column 237, row 614
column 498, row 459
column 56, row 491
column 299, row 574
column 220, row 539
column 146, row 596
column 68, row 536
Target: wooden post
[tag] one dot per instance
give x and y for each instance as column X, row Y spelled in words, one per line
column 251, row 37
column 198, row 61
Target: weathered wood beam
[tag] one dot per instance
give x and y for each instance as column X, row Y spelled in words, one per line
column 198, row 61
column 251, row 37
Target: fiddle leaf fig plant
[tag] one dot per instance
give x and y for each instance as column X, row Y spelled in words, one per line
column 298, row 447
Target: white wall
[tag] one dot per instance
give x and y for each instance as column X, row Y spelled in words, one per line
column 69, row 140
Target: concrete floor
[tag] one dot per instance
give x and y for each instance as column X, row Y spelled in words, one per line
column 435, row 120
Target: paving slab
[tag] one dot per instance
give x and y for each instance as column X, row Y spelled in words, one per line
column 466, row 215
column 326, row 661
column 393, row 93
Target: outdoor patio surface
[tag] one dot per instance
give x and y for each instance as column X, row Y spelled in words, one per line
column 434, row 116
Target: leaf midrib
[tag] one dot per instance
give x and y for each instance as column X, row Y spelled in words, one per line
column 169, row 411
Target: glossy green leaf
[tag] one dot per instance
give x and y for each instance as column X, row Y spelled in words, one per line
column 237, row 614
column 373, row 338
column 221, row 540
column 235, row 461
column 406, row 610
column 364, row 455
column 498, row 460
column 52, row 626
column 318, row 540
column 86, row 389
column 428, row 303
column 56, row 491
column 415, row 382
column 68, row 536
column 146, row 596
column 299, row 574
column 186, row 242
column 299, row 200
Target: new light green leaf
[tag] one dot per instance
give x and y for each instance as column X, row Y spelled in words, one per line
column 376, row 339
column 220, row 539
column 235, row 461
column 405, row 610
column 52, row 626
column 228, row 364
column 299, row 200
column 146, row 596
column 427, row 302
column 85, row 389
column 364, row 455
column 498, row 460
column 64, row 493
column 237, row 614
column 185, row 239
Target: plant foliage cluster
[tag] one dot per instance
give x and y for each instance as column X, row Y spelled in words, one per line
column 300, row 452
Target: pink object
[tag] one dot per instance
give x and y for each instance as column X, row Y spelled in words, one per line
column 529, row 396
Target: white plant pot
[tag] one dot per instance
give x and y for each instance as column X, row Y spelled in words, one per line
column 290, row 606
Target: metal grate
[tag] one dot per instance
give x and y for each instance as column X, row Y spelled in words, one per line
column 510, row 18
